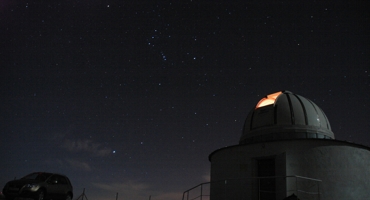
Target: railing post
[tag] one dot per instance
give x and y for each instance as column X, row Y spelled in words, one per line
column 201, row 191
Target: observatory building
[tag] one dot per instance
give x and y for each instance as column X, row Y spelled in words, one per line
column 288, row 149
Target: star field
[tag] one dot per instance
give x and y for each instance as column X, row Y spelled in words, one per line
column 133, row 97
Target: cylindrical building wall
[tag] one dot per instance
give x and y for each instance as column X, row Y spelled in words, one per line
column 342, row 167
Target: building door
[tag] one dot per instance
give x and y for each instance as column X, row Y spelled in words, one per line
column 267, row 187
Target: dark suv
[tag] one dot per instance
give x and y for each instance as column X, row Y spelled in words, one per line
column 40, row 186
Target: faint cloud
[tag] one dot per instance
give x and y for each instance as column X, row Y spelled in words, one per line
column 127, row 190
column 170, row 195
column 79, row 165
column 51, row 162
column 86, row 146
column 135, row 190
column 57, row 136
column 128, row 186
column 206, row 177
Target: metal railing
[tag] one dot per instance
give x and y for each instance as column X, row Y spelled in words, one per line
column 201, row 192
column 303, row 187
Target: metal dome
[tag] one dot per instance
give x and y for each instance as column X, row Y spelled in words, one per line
column 284, row 115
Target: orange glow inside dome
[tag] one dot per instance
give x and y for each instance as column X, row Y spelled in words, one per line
column 268, row 100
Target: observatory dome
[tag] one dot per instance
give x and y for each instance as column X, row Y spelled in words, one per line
column 284, row 115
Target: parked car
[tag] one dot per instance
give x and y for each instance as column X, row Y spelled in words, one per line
column 40, row 186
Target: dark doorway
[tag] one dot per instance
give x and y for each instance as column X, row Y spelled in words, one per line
column 267, row 187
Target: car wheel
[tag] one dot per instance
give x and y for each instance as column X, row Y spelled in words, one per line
column 40, row 195
column 68, row 197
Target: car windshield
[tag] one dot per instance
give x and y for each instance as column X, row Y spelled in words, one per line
column 38, row 176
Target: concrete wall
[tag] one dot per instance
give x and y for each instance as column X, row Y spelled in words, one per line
column 343, row 168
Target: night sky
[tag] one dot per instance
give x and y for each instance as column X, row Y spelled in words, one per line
column 132, row 97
